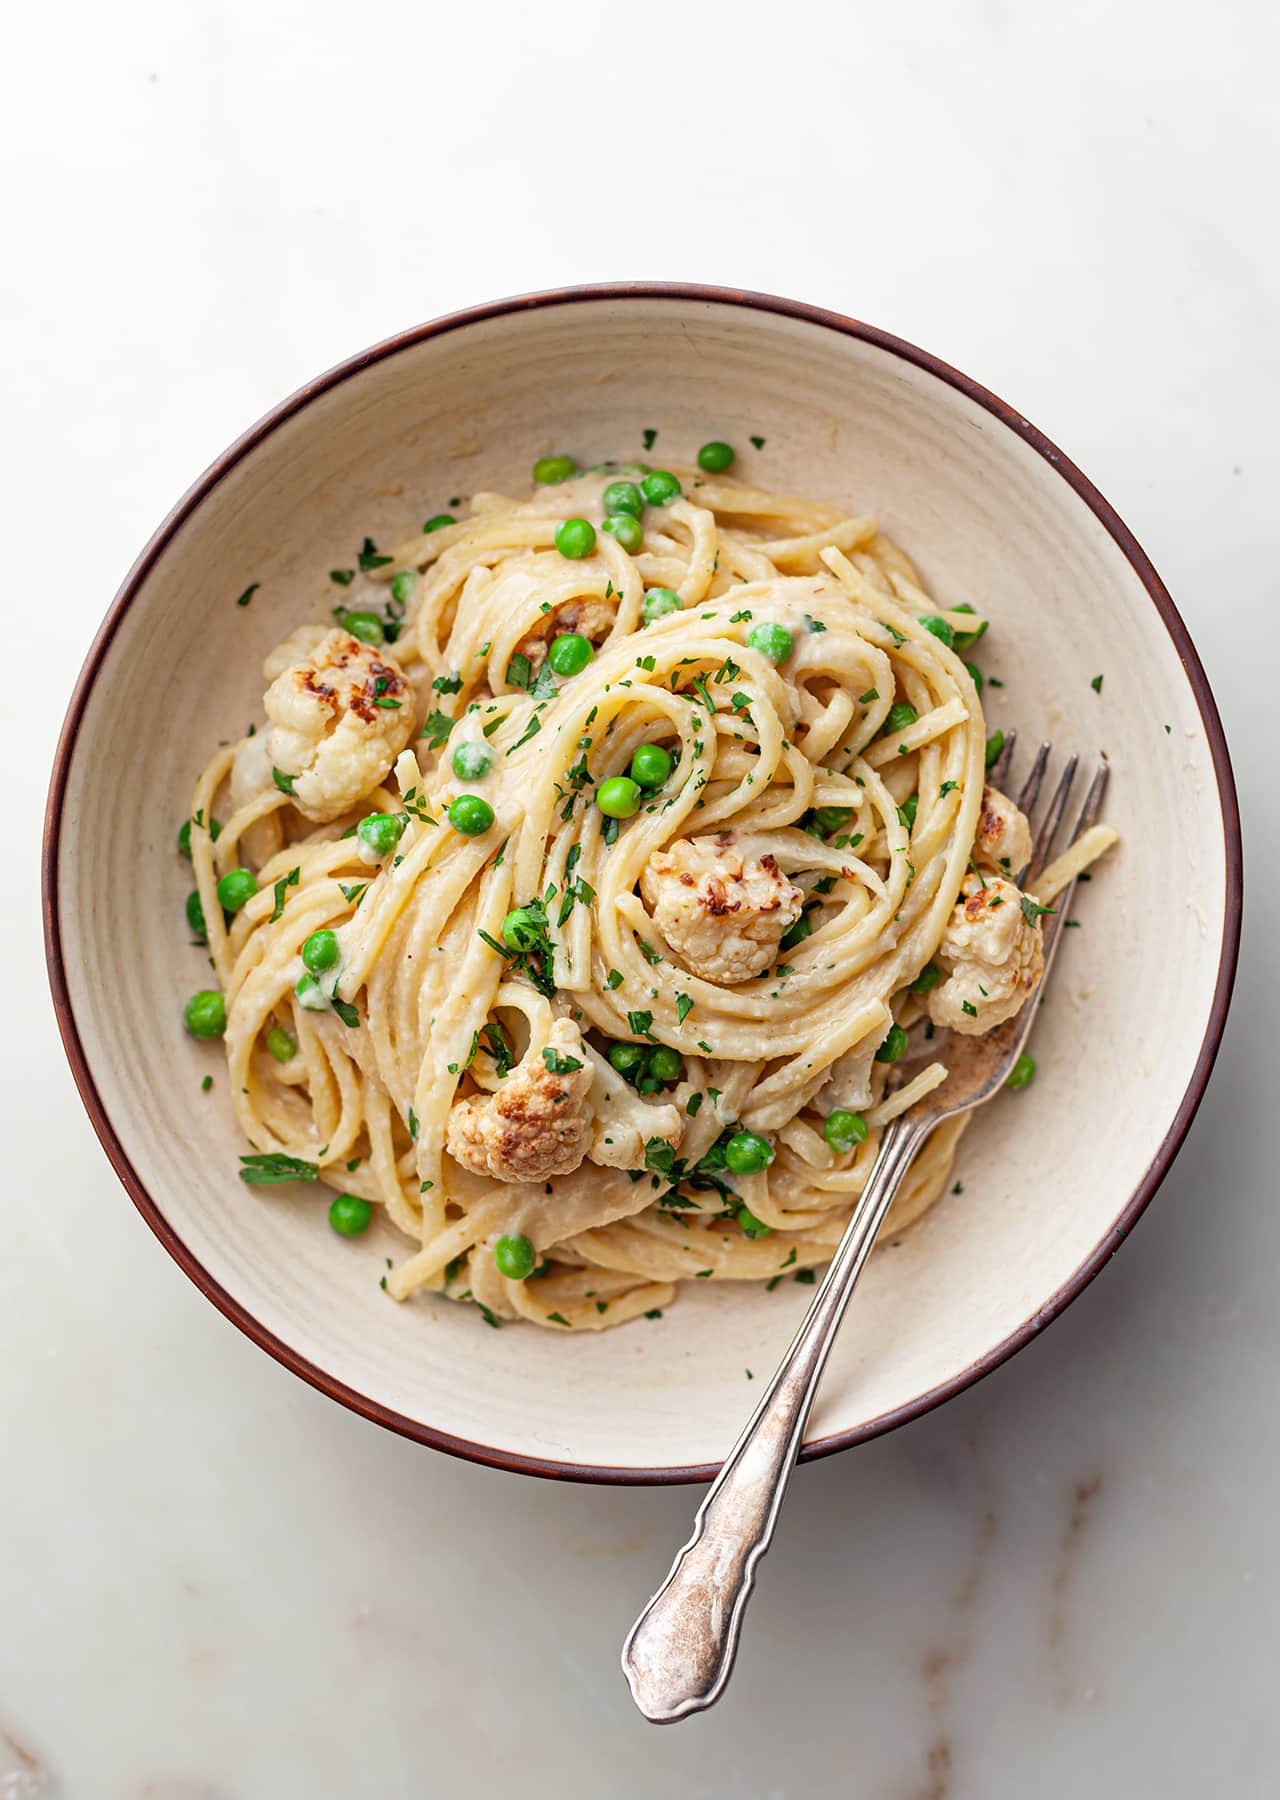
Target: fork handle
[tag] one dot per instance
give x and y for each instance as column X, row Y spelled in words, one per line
column 679, row 1653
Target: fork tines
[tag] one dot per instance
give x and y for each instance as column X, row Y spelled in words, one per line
column 1045, row 835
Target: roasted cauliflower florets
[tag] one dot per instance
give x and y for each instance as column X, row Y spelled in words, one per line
column 991, row 955
column 1003, row 839
column 623, row 1130
column 539, row 1122
column 339, row 714
column 722, row 913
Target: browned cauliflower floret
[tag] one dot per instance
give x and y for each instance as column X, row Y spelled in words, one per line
column 722, row 913
column 992, row 957
column 589, row 617
column 1003, row 838
column 339, row 714
column 538, row 1123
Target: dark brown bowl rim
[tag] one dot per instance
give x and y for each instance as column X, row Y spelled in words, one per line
column 614, row 291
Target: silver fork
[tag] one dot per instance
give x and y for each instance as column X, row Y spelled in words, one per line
column 679, row 1653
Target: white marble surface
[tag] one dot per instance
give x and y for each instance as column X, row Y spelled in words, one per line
column 216, row 1585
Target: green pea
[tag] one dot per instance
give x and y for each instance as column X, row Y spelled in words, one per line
column 471, row 762
column 575, row 538
column 909, row 808
column 281, row 1044
column 716, row 457
column 438, row 521
column 660, row 487
column 965, row 640
column 570, row 653
column 626, row 1057
column 236, row 887
column 941, row 629
column 310, row 994
column 379, row 833
column 205, row 1014
column 926, row 980
column 667, row 1064
column 843, row 1130
column 522, row 929
column 470, row 815
column 629, row 532
column 658, row 602
column 550, row 471
column 995, row 744
column 403, row 583
column 651, row 765
column 899, row 717
column 894, row 1045
column 649, row 1084
column 1022, row 1071
column 747, row 1151
column 623, row 497
column 184, row 834
column 365, row 626
column 619, row 797
column 975, row 675
column 321, row 951
column 350, row 1215
column 774, row 642
column 750, row 1225
column 514, row 1257
column 195, row 917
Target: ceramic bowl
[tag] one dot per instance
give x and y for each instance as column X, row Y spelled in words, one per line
column 1051, row 1178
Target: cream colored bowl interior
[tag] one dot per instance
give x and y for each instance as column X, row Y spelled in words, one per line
column 1045, row 1173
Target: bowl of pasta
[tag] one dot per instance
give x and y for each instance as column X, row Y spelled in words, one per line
column 527, row 817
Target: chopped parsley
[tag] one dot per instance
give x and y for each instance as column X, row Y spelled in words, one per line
column 499, row 1048
column 437, row 729
column 369, row 558
column 248, row 593
column 684, row 1006
column 659, row 1156
column 285, row 882
column 557, row 1064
